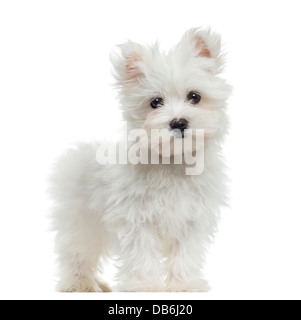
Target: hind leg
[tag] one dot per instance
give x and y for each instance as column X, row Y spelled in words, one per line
column 78, row 273
column 80, row 243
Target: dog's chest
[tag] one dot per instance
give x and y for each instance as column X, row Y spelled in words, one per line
column 168, row 202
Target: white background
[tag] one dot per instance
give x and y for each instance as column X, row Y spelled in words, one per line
column 55, row 89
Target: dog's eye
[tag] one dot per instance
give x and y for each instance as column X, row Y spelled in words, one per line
column 156, row 103
column 194, row 98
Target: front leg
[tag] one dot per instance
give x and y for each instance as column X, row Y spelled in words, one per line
column 140, row 267
column 184, row 265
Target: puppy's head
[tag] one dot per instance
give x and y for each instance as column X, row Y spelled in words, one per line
column 175, row 91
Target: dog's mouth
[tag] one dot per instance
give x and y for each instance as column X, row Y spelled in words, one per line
column 177, row 134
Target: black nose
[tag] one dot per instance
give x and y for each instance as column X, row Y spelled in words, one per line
column 180, row 124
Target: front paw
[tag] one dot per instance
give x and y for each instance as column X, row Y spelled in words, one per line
column 141, row 287
column 198, row 285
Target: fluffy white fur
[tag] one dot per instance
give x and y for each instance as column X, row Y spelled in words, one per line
column 156, row 219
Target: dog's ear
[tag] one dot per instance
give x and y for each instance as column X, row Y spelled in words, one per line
column 128, row 62
column 202, row 43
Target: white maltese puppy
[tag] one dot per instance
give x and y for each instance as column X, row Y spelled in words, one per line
column 156, row 218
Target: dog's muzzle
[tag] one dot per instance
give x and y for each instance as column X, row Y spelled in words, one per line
column 179, row 124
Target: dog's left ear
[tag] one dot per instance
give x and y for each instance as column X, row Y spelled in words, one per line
column 202, row 43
